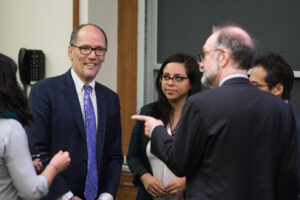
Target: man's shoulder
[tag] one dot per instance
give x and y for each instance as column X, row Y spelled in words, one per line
column 106, row 94
column 104, row 89
column 52, row 81
column 205, row 94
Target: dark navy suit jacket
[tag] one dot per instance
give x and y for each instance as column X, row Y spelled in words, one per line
column 297, row 118
column 233, row 142
column 137, row 159
column 58, row 122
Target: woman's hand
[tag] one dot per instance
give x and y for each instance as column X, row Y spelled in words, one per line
column 176, row 186
column 37, row 165
column 60, row 160
column 153, row 186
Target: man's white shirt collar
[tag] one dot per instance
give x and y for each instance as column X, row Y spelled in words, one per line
column 79, row 83
column 233, row 76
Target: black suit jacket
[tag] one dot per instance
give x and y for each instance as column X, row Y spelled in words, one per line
column 234, row 142
column 297, row 118
column 58, row 122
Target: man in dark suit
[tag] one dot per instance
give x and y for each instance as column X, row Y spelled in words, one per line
column 233, row 142
column 271, row 73
column 61, row 121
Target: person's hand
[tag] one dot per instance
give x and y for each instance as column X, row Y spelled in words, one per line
column 153, row 186
column 176, row 186
column 150, row 122
column 77, row 198
column 60, row 160
column 37, row 165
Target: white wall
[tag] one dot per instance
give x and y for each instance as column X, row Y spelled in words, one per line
column 37, row 24
column 47, row 25
column 104, row 13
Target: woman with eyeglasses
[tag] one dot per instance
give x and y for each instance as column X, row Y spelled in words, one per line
column 178, row 78
column 18, row 178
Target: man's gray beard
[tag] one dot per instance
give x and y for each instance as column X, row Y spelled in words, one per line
column 209, row 80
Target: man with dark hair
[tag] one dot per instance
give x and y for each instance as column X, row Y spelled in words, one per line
column 233, row 141
column 74, row 112
column 271, row 73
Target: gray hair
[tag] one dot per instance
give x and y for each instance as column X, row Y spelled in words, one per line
column 239, row 43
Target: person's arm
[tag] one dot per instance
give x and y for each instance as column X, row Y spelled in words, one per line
column 58, row 163
column 179, row 152
column 19, row 164
column 183, row 152
column 39, row 133
column 134, row 157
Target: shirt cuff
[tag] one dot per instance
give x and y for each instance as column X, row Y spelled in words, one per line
column 66, row 196
column 106, row 196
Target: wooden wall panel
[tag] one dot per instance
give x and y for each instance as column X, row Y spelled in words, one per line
column 75, row 13
column 127, row 66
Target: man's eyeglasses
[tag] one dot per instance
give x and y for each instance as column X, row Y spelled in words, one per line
column 257, row 85
column 201, row 56
column 176, row 79
column 86, row 50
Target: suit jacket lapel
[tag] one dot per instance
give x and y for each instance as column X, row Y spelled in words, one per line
column 71, row 96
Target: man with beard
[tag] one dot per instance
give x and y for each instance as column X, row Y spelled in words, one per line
column 233, row 141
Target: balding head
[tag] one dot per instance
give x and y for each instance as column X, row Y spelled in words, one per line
column 238, row 42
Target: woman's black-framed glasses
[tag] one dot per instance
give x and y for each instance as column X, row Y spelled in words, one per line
column 176, row 79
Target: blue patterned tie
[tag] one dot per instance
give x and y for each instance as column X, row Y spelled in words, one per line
column 91, row 185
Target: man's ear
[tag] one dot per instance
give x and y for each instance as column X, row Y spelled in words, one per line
column 224, row 57
column 277, row 90
column 70, row 50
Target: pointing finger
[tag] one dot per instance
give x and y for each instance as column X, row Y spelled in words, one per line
column 140, row 117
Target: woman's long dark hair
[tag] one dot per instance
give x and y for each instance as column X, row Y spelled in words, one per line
column 162, row 108
column 12, row 99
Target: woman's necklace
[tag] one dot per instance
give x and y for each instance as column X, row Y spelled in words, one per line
column 174, row 129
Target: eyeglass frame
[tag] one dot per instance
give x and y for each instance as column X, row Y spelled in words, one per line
column 201, row 56
column 175, row 79
column 258, row 85
column 90, row 50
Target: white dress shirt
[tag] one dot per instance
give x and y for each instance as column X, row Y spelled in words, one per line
column 161, row 171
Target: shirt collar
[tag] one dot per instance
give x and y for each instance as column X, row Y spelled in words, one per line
column 233, row 76
column 79, row 83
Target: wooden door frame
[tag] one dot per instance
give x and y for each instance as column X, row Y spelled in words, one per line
column 127, row 62
column 127, row 66
column 75, row 13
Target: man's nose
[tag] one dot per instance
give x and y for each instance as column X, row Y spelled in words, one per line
column 201, row 64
